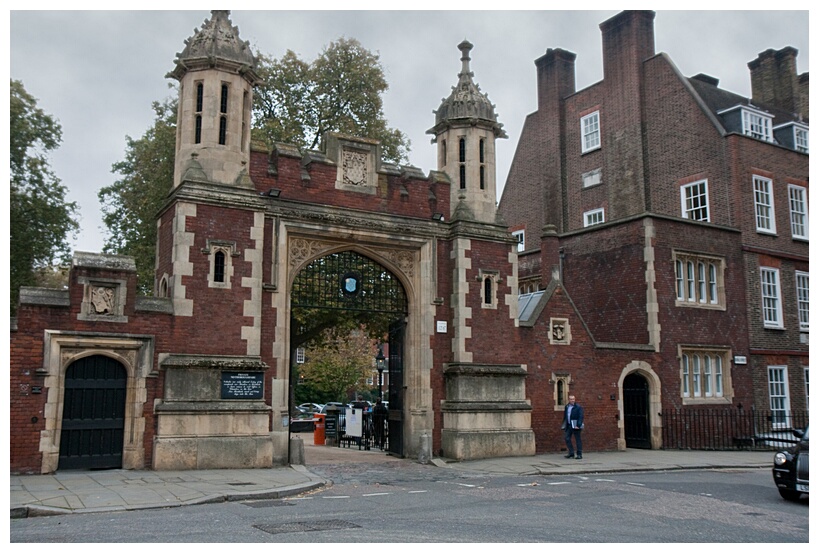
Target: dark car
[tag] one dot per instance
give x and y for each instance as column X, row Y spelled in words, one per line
column 790, row 470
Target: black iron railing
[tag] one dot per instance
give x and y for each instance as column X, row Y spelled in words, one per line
column 374, row 432
column 722, row 429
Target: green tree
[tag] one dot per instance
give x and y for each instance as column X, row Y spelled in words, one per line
column 340, row 91
column 341, row 361
column 41, row 220
column 131, row 204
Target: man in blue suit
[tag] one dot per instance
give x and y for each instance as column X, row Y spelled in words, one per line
column 573, row 426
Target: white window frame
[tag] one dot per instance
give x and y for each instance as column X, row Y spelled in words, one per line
column 771, row 291
column 590, row 132
column 521, row 238
column 801, row 139
column 699, row 280
column 705, row 375
column 594, row 217
column 300, row 355
column 779, row 398
column 757, row 124
column 803, row 299
column 764, row 213
column 694, row 201
column 798, row 203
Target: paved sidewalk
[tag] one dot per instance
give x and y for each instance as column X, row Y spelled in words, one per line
column 121, row 490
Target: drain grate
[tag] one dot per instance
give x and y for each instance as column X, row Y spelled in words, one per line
column 309, row 526
column 268, row 503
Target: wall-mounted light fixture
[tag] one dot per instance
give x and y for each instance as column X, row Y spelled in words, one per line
column 274, row 193
column 438, row 217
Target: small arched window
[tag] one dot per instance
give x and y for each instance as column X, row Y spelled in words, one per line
column 561, row 392
column 443, row 152
column 480, row 150
column 483, row 178
column 487, row 290
column 223, row 130
column 200, row 94
column 462, row 150
column 219, row 267
column 223, row 104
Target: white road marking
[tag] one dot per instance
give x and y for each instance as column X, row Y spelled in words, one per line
column 604, row 480
column 418, row 491
column 373, row 494
column 336, row 497
column 558, row 483
column 634, row 484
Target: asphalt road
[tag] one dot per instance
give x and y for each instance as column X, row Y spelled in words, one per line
column 377, row 503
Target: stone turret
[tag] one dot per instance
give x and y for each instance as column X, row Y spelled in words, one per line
column 465, row 130
column 216, row 73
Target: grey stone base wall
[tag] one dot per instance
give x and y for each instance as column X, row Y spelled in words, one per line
column 465, row 445
column 213, row 452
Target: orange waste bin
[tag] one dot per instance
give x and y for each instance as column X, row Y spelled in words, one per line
column 318, row 429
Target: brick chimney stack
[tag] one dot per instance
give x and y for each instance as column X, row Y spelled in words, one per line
column 555, row 77
column 774, row 81
column 628, row 40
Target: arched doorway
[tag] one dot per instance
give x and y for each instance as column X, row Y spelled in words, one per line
column 93, row 414
column 348, row 287
column 637, row 424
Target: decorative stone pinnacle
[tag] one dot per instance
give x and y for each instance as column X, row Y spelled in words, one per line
column 465, row 47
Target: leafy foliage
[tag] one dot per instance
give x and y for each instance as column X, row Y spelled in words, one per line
column 131, row 204
column 41, row 220
column 340, row 91
column 341, row 361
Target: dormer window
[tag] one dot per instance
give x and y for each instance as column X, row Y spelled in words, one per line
column 793, row 135
column 800, row 138
column 751, row 121
column 756, row 124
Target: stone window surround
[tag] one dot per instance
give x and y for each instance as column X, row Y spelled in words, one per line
column 557, row 378
column 494, row 277
column 726, row 356
column 680, row 261
column 228, row 247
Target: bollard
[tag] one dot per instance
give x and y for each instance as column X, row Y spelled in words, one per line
column 296, row 450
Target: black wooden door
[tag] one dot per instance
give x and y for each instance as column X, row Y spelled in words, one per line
column 93, row 414
column 635, row 410
column 395, row 417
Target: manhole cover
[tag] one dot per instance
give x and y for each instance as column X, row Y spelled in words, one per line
column 309, row 526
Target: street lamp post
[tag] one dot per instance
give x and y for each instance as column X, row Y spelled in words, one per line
column 380, row 365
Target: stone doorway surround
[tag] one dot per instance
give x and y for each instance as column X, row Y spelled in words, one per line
column 654, row 404
column 61, row 349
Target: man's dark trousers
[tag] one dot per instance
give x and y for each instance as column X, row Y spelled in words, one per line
column 578, row 439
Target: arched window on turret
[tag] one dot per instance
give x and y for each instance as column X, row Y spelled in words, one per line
column 200, row 92
column 482, row 167
column 487, row 290
column 443, row 153
column 219, row 266
column 245, row 114
column 462, row 160
column 223, row 109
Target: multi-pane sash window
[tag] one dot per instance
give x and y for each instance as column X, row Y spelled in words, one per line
column 594, row 217
column 698, row 280
column 300, row 355
column 771, row 300
column 694, row 199
column 800, row 139
column 757, row 125
column 797, row 198
column 803, row 300
column 778, row 395
column 764, row 205
column 703, row 374
column 590, row 132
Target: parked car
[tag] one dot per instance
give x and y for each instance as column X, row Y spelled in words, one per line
column 311, row 407
column 334, row 403
column 790, row 470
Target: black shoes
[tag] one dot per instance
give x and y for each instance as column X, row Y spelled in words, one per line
column 569, row 456
column 579, row 457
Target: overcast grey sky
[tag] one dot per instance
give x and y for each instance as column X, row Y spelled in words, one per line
column 97, row 72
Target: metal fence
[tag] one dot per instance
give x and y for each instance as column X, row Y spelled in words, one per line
column 722, row 429
column 374, row 432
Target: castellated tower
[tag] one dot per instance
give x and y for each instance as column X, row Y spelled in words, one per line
column 465, row 130
column 216, row 73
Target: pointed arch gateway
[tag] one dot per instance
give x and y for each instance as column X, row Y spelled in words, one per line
column 347, row 284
